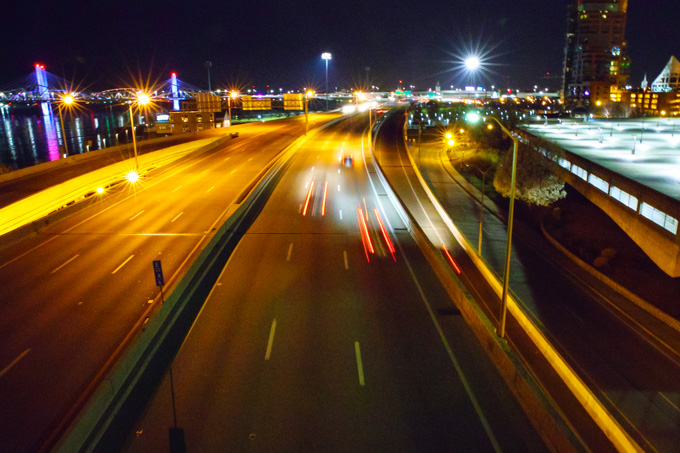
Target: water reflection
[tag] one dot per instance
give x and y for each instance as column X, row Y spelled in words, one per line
column 50, row 132
column 33, row 135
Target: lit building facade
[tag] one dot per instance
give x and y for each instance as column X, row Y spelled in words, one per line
column 596, row 63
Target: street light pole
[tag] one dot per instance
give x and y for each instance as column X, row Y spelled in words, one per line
column 511, row 214
column 66, row 101
column 208, row 65
column 134, row 140
column 326, row 56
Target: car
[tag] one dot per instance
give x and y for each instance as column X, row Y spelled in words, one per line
column 348, row 160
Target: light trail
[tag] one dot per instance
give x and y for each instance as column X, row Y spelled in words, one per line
column 309, row 195
column 385, row 235
column 323, row 203
column 448, row 255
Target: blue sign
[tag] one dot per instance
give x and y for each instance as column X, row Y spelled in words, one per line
column 158, row 272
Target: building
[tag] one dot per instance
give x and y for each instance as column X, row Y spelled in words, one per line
column 669, row 79
column 596, row 62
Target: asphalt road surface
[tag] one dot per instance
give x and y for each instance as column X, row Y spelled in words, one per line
column 325, row 333
column 72, row 294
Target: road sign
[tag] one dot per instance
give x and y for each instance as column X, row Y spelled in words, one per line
column 256, row 103
column 293, row 101
column 158, row 272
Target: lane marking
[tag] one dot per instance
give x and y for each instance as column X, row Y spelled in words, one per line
column 360, row 366
column 459, row 370
column 300, row 209
column 344, row 255
column 338, row 171
column 65, row 264
column 177, row 216
column 14, row 362
column 338, row 187
column 124, row 263
column 250, row 159
column 177, row 189
column 210, row 189
column 136, row 215
column 341, row 214
column 271, row 341
column 227, row 158
column 312, row 168
column 290, row 250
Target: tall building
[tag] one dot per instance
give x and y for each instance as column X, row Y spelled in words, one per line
column 596, row 63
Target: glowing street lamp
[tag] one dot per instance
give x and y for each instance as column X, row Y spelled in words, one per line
column 472, row 63
column 326, row 56
column 233, row 95
column 473, row 118
column 66, row 102
column 141, row 100
column 308, row 94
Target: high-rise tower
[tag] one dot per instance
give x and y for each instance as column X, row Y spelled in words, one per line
column 596, row 60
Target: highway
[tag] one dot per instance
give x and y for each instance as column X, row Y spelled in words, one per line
column 76, row 294
column 328, row 331
column 629, row 359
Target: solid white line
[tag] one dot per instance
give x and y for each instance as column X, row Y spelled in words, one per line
column 271, row 341
column 64, row 264
column 338, row 171
column 14, row 362
column 338, row 187
column 210, row 189
column 300, row 210
column 312, row 168
column 177, row 189
column 124, row 263
column 344, row 255
column 137, row 215
column 360, row 366
column 290, row 250
column 177, row 216
column 341, row 214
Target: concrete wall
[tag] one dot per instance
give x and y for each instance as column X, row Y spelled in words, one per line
column 661, row 245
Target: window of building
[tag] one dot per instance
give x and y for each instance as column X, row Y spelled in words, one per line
column 659, row 217
column 564, row 163
column 599, row 183
column 580, row 172
column 624, row 197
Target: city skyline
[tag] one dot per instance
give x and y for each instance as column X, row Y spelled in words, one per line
column 99, row 46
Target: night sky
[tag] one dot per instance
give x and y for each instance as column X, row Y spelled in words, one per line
column 101, row 44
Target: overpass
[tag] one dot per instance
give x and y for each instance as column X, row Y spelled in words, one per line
column 629, row 168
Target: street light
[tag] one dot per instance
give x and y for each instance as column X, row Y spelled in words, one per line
column 232, row 95
column 141, row 100
column 326, row 56
column 473, row 118
column 66, row 102
column 308, row 94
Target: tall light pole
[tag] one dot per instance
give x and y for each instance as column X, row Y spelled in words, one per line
column 142, row 99
column 326, row 56
column 473, row 118
column 208, row 65
column 66, row 102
